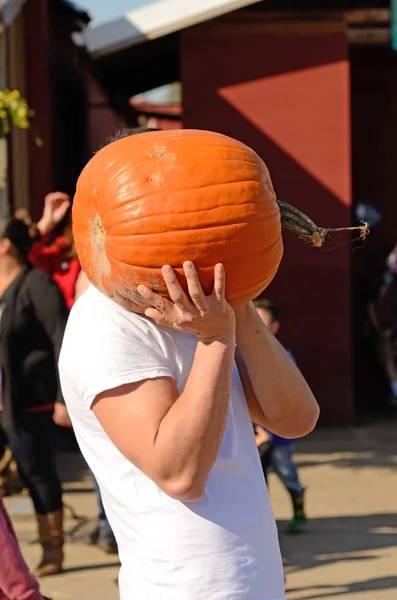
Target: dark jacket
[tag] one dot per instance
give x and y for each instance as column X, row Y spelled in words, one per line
column 31, row 331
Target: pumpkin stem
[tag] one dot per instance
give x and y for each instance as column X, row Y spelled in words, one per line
column 299, row 223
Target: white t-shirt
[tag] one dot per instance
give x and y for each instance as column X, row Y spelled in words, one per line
column 223, row 546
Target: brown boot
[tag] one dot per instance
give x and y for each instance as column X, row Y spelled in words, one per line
column 51, row 540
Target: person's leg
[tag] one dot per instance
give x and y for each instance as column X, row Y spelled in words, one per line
column 265, row 453
column 34, row 448
column 387, row 353
column 15, row 580
column 283, row 465
column 103, row 536
column 101, row 508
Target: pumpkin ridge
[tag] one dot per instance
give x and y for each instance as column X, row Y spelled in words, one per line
column 250, row 219
column 146, row 197
column 251, row 254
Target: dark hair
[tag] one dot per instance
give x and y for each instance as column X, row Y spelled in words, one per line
column 126, row 132
column 269, row 307
column 18, row 233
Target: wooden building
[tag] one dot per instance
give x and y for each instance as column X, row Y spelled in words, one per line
column 312, row 87
column 44, row 64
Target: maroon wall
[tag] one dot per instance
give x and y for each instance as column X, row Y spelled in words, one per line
column 287, row 96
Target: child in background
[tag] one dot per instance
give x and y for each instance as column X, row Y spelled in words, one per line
column 280, row 457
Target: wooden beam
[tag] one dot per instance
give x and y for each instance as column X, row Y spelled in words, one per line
column 219, row 29
column 368, row 36
column 350, row 17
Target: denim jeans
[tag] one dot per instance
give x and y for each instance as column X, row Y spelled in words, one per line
column 283, row 465
column 34, row 447
column 102, row 515
column 105, row 531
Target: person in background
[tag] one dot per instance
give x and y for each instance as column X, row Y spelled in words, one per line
column 381, row 292
column 265, row 448
column 59, row 260
column 280, row 451
column 16, row 583
column 102, row 536
column 33, row 320
column 56, row 254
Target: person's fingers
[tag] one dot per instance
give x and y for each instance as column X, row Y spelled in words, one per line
column 159, row 317
column 219, row 282
column 162, row 305
column 194, row 286
column 174, row 288
column 53, row 197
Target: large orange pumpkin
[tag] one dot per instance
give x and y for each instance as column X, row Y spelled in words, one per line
column 164, row 197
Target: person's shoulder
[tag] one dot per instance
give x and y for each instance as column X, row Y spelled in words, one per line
column 36, row 275
column 97, row 323
column 94, row 308
column 106, row 346
column 39, row 281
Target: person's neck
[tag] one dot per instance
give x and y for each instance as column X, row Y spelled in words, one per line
column 9, row 270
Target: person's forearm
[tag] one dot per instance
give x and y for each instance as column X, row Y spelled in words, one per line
column 44, row 226
column 374, row 319
column 286, row 400
column 190, row 435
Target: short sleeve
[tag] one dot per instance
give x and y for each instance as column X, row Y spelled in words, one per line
column 105, row 346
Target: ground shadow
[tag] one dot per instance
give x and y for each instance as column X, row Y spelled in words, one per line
column 373, row 445
column 94, row 567
column 338, row 540
column 378, row 584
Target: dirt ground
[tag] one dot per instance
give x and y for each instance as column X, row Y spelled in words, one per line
column 348, row 551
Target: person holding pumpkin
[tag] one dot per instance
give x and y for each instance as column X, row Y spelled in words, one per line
column 160, row 397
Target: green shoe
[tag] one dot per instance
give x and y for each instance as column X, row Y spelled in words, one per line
column 298, row 523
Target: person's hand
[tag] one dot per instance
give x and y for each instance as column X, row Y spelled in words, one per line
column 61, row 415
column 261, row 436
column 207, row 317
column 56, row 205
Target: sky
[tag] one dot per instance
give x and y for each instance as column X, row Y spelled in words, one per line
column 102, row 11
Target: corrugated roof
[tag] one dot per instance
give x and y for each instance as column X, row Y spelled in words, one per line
column 154, row 19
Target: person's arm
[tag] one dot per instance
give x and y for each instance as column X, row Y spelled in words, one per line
column 373, row 318
column 261, row 435
column 175, row 438
column 52, row 313
column 278, row 396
